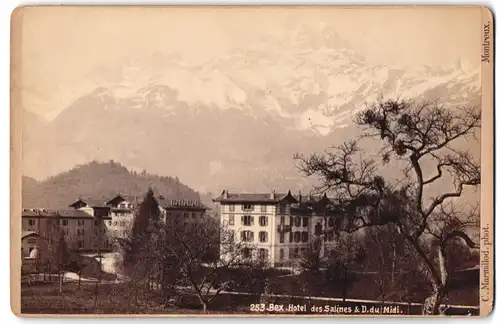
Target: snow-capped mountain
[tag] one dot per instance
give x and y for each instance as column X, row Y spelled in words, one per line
column 237, row 120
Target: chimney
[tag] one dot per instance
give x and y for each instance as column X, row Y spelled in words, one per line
column 300, row 196
column 273, row 194
column 225, row 194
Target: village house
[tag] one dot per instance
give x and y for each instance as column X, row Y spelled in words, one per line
column 29, row 245
column 93, row 225
column 191, row 211
column 83, row 227
column 278, row 227
column 122, row 208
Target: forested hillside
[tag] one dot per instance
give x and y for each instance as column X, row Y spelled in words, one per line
column 99, row 180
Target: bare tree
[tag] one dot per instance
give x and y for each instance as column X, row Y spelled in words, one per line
column 187, row 250
column 415, row 135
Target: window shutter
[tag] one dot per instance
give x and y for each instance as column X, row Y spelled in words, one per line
column 251, row 220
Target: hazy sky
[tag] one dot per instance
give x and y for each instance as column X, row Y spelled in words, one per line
column 63, row 47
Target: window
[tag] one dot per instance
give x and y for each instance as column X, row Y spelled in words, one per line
column 231, row 219
column 330, row 221
column 295, row 252
column 246, row 252
column 282, row 237
column 64, row 222
column 317, row 229
column 282, row 220
column 263, row 254
column 247, row 220
column 186, row 215
column 305, row 221
column 31, row 222
column 338, row 223
column 297, row 221
column 80, row 222
column 282, row 254
column 193, row 215
column 81, row 232
column 231, row 208
column 296, row 236
column 305, row 236
column 80, row 244
column 248, row 207
column 263, row 237
column 330, row 236
column 247, row 236
column 263, row 220
column 96, row 222
column 291, row 237
column 263, row 208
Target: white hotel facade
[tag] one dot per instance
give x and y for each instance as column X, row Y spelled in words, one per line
column 278, row 227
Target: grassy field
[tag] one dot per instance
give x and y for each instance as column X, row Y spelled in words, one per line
column 46, row 298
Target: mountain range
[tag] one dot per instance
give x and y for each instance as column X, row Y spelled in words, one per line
column 233, row 122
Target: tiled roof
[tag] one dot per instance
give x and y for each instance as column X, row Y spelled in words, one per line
column 74, row 213
column 65, row 213
column 129, row 198
column 39, row 212
column 28, row 233
column 91, row 202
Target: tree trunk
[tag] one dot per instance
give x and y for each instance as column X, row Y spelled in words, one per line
column 205, row 306
column 432, row 303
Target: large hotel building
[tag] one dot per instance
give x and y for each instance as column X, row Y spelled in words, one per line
column 278, row 227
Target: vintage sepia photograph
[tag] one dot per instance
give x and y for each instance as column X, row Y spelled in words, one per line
column 252, row 161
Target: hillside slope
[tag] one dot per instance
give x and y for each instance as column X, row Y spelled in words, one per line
column 99, row 180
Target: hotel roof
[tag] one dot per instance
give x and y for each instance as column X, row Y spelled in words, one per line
column 297, row 202
column 272, row 197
